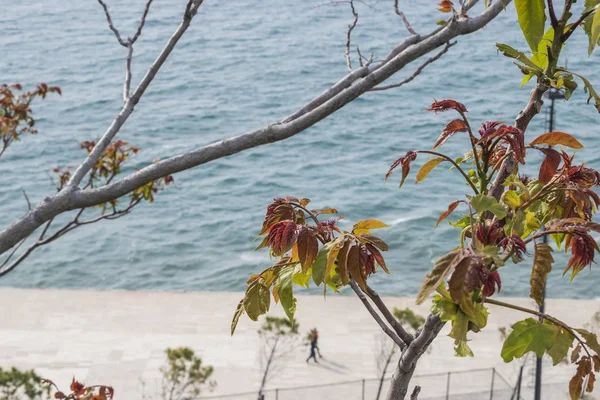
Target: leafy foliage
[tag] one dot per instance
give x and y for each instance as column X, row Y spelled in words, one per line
column 309, row 248
column 16, row 384
column 16, row 117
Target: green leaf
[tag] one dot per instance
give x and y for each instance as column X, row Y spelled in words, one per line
column 531, row 222
column 427, row 168
column 257, row 299
column 460, row 326
column 236, row 316
column 444, row 308
column 542, row 265
column 593, row 30
column 528, row 335
column 300, row 278
column 587, row 88
column 532, row 19
column 520, row 56
column 440, row 271
column 285, row 290
column 462, row 349
column 511, row 199
column 482, row 203
column 320, row 264
column 540, row 57
column 561, row 343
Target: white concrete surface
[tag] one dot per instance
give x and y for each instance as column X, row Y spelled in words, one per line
column 118, row 337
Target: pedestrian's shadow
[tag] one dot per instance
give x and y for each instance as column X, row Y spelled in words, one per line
column 334, row 364
column 331, row 366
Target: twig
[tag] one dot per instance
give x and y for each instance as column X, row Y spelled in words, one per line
column 376, row 316
column 415, row 393
column 374, row 296
column 418, row 71
column 401, row 14
column 142, row 22
column 27, row 199
column 553, row 19
column 575, row 24
column 127, row 84
column 337, row 2
column 110, row 24
column 450, row 160
column 349, row 34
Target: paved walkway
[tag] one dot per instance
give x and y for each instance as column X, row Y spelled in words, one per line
column 118, row 337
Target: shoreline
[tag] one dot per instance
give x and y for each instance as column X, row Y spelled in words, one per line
column 115, row 337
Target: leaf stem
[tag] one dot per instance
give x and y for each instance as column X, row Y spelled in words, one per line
column 445, row 157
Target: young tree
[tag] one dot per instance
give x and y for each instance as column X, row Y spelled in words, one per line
column 184, row 376
column 75, row 194
column 504, row 212
column 278, row 338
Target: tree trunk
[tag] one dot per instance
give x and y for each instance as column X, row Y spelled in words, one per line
column 266, row 373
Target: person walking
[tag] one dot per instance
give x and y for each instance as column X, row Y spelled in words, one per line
column 314, row 346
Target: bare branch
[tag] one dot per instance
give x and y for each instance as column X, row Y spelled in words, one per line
column 127, row 84
column 110, row 24
column 376, row 316
column 404, row 19
column 27, row 199
column 553, row 19
column 104, row 142
column 374, row 296
column 418, row 71
column 141, row 25
column 337, row 2
column 349, row 34
column 345, row 91
column 415, row 393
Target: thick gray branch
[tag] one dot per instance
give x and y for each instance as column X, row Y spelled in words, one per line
column 374, row 296
column 408, row 361
column 347, row 90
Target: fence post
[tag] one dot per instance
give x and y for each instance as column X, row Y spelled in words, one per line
column 492, row 388
column 363, row 389
column 448, row 387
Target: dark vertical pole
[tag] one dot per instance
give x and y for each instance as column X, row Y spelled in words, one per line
column 448, row 387
column 276, row 394
column 363, row 389
column 519, row 383
column 492, row 387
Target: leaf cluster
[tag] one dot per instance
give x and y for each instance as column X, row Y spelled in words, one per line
column 16, row 384
column 184, row 374
column 79, row 391
column 307, row 248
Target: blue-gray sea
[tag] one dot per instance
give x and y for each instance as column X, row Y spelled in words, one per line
column 243, row 65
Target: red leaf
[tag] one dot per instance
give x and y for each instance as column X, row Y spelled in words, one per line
column 378, row 257
column 445, row 6
column 59, row 395
column 450, row 210
column 458, row 125
column 308, row 247
column 557, row 138
column 405, row 162
column 549, row 165
column 444, row 105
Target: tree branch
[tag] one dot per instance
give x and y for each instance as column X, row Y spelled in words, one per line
column 130, row 103
column 404, row 19
column 349, row 34
column 111, row 26
column 376, row 316
column 345, row 91
column 374, row 296
column 415, row 393
column 408, row 361
column 418, row 71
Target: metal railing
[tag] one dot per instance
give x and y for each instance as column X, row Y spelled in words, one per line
column 476, row 384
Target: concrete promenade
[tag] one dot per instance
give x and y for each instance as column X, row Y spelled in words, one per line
column 119, row 337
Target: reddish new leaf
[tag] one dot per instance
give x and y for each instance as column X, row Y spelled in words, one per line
column 450, row 210
column 308, row 247
column 445, row 6
column 375, row 241
column 343, row 262
column 458, row 125
column 445, row 105
column 405, row 162
column 378, row 257
column 584, row 368
column 549, row 165
column 355, row 267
